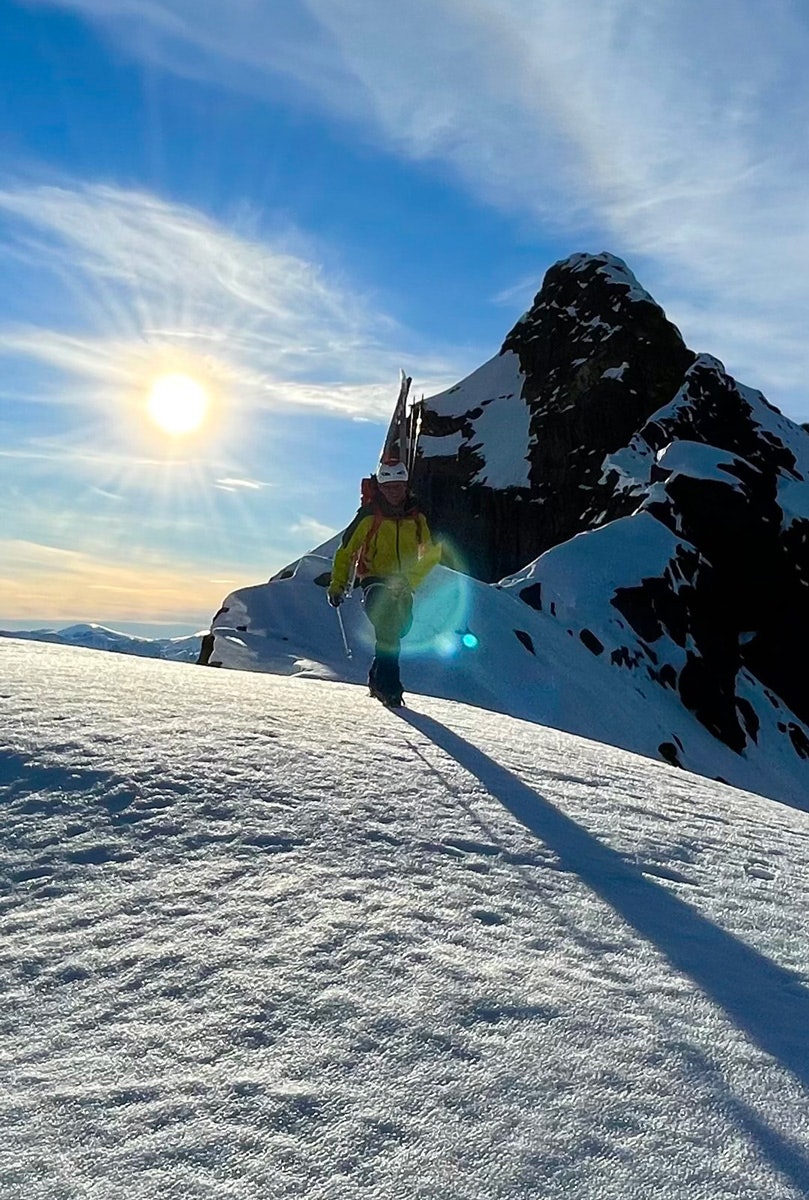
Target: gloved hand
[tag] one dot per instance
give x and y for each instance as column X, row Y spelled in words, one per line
column 336, row 599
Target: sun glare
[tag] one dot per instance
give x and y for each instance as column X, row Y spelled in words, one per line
column 178, row 404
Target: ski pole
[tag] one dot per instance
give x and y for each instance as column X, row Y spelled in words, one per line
column 343, row 633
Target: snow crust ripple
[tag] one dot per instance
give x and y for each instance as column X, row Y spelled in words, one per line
column 261, row 938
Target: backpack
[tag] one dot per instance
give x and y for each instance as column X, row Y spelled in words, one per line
column 368, row 491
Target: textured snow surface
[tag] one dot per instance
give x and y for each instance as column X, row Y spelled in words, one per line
column 262, row 938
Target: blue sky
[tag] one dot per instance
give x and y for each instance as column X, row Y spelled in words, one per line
column 286, row 200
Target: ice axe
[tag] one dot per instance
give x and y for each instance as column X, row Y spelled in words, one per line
column 346, row 646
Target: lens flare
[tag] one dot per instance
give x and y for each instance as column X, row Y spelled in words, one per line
column 178, row 404
column 441, row 610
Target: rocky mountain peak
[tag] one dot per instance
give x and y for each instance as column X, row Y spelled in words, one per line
column 588, row 327
column 579, row 373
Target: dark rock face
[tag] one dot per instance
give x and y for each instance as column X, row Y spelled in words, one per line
column 597, row 356
column 747, row 603
column 693, row 485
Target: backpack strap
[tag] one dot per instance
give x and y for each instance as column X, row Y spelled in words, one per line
column 362, row 557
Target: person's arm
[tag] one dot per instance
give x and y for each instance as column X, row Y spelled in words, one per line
column 347, row 551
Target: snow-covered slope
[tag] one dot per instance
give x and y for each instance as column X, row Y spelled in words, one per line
column 262, row 938
column 544, row 666
column 98, row 637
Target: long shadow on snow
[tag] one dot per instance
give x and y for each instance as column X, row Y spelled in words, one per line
column 761, row 998
column 789, row 1159
column 44, row 788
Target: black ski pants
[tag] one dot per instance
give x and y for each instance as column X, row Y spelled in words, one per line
column 390, row 611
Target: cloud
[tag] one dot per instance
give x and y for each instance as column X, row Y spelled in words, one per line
column 233, row 485
column 243, row 44
column 313, row 531
column 664, row 130
column 664, row 127
column 160, row 287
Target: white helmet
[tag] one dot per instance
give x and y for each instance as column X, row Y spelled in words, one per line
column 392, row 472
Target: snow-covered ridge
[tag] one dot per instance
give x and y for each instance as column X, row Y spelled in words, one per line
column 545, row 663
column 98, row 637
column 749, row 424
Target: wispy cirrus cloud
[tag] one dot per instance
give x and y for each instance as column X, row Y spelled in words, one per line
column 243, row 44
column 157, row 285
column 313, row 531
column 672, row 131
column 234, row 485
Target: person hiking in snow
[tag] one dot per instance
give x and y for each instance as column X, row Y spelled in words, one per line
column 389, row 542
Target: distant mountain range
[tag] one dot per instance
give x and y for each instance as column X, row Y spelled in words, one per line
column 98, row 637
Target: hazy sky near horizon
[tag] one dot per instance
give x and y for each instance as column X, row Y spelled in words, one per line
column 283, row 201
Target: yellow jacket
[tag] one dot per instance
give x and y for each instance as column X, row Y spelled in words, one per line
column 385, row 546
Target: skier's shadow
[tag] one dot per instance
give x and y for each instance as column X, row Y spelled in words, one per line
column 763, row 999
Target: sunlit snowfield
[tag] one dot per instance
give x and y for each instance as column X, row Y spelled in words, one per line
column 263, row 938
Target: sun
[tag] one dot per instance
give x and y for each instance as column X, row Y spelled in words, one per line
column 178, row 404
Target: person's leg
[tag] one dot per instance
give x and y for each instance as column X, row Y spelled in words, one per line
column 373, row 600
column 386, row 675
column 401, row 618
column 391, row 616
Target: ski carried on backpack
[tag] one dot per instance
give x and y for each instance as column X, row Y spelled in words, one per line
column 396, row 447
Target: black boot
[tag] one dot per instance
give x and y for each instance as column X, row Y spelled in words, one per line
column 383, row 679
